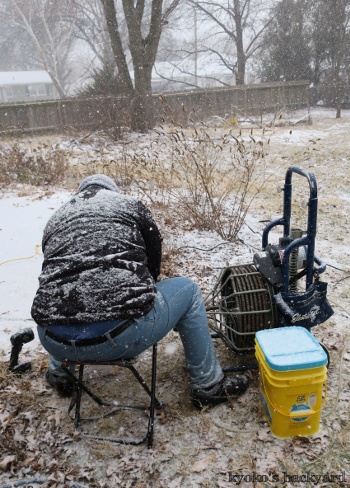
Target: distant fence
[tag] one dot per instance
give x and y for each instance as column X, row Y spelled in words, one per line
column 240, row 101
column 95, row 113
column 106, row 112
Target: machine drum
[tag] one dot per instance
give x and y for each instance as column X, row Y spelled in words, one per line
column 245, row 305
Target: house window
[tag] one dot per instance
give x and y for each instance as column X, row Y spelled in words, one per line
column 9, row 92
column 41, row 90
column 36, row 90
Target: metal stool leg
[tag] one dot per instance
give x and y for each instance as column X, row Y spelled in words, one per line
column 153, row 398
column 151, row 392
column 78, row 391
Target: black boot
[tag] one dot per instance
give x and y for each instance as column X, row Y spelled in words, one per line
column 218, row 393
column 62, row 384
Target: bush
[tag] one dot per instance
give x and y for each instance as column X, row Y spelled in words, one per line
column 104, row 82
column 32, row 166
column 210, row 179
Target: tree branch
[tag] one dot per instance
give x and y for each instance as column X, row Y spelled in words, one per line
column 190, row 73
column 28, row 28
column 169, row 11
column 229, row 32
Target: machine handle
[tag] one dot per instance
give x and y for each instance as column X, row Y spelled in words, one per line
column 285, row 220
column 309, row 240
column 321, row 265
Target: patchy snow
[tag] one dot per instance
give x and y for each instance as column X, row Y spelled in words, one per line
column 193, row 449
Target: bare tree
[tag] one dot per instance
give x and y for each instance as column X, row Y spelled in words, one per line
column 16, row 52
column 240, row 25
column 49, row 25
column 144, row 32
column 341, row 9
column 90, row 27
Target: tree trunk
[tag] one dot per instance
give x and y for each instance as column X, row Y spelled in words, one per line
column 338, row 85
column 117, row 47
column 143, row 48
column 143, row 51
column 239, row 44
column 56, row 83
column 49, row 61
column 142, row 118
column 342, row 20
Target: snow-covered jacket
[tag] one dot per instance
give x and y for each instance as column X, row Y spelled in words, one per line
column 102, row 253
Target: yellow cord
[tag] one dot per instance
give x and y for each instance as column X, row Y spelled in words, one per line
column 37, row 253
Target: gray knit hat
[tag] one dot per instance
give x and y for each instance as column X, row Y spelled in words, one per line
column 100, row 180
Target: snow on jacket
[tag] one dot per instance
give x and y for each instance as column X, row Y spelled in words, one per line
column 102, row 253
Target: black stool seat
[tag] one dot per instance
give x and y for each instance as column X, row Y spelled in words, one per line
column 80, row 386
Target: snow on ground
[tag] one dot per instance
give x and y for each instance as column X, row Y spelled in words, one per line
column 193, row 449
column 22, row 223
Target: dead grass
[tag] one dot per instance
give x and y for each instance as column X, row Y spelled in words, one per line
column 208, row 177
column 37, row 434
column 39, row 166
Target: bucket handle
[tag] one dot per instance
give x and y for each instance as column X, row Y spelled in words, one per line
column 300, row 413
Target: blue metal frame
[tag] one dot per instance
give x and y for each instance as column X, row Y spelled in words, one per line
column 309, row 239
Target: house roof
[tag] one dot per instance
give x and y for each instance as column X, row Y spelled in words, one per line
column 24, row 77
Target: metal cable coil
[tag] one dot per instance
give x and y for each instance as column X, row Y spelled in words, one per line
column 240, row 304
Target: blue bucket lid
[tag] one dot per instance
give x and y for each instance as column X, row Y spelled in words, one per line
column 290, row 348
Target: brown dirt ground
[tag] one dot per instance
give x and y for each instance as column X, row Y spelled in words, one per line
column 201, row 448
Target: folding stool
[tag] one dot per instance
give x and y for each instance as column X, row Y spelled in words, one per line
column 80, row 386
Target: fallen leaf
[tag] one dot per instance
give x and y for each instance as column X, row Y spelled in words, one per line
column 301, row 440
column 6, row 461
column 202, row 464
column 265, row 436
column 111, row 470
column 56, row 417
column 35, row 465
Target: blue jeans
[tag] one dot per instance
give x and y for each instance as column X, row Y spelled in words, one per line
column 179, row 303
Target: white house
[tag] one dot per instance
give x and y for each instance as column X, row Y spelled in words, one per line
column 26, row 86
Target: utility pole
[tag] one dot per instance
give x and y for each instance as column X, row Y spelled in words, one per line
column 195, row 46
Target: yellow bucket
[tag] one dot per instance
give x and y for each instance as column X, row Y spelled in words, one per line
column 292, row 372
